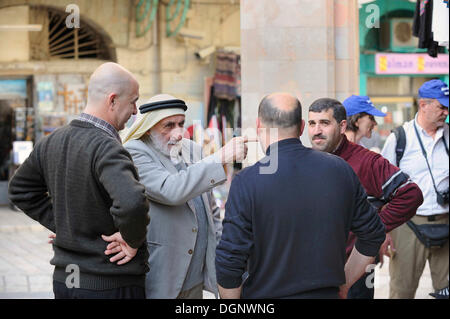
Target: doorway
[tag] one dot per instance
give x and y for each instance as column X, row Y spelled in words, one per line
column 16, row 124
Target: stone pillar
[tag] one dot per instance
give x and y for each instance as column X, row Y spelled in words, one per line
column 308, row 48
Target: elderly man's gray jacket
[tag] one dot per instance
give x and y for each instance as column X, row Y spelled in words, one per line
column 172, row 232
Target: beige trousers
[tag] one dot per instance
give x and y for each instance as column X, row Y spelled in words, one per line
column 407, row 265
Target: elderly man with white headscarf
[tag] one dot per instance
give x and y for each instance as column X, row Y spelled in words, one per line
column 185, row 222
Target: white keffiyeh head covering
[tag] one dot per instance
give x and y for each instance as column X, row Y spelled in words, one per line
column 154, row 110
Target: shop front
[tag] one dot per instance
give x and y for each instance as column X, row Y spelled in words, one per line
column 43, row 79
column 16, row 125
column 392, row 81
column 392, row 66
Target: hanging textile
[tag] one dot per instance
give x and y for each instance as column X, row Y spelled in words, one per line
column 422, row 26
column 228, row 75
column 440, row 22
column 223, row 109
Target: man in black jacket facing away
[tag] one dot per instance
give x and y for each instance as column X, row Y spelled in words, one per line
column 80, row 183
column 288, row 228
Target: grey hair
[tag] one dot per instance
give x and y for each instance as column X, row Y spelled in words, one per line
column 426, row 100
column 276, row 118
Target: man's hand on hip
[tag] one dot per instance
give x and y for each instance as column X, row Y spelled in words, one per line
column 124, row 253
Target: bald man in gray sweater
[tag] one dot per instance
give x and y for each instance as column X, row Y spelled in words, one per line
column 80, row 183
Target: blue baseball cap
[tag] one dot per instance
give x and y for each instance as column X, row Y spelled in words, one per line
column 435, row 89
column 360, row 103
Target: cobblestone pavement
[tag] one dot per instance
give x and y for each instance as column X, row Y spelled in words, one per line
column 25, row 271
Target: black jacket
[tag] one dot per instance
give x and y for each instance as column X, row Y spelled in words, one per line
column 289, row 229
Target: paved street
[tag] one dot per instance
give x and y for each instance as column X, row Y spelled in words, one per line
column 25, row 271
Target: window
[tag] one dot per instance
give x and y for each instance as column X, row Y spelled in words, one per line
column 57, row 41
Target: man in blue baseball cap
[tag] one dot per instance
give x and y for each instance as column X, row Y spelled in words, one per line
column 435, row 89
column 360, row 117
column 424, row 157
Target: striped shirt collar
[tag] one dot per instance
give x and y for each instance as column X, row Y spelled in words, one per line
column 101, row 124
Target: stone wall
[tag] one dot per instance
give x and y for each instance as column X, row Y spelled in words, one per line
column 305, row 47
column 161, row 64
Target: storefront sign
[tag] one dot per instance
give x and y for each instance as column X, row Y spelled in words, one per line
column 392, row 63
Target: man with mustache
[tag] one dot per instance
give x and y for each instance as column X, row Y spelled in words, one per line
column 429, row 129
column 395, row 195
column 185, row 225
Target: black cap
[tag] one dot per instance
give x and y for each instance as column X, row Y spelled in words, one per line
column 168, row 104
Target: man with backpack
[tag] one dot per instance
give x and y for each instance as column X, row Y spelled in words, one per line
column 420, row 149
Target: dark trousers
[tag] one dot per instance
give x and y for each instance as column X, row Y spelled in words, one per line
column 359, row 290
column 62, row 292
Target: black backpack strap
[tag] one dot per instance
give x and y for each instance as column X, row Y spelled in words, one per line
column 445, row 142
column 400, row 136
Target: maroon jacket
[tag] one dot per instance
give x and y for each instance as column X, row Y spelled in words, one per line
column 384, row 183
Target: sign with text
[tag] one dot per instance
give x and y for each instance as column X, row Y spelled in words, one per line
column 397, row 63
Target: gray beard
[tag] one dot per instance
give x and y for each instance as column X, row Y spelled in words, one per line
column 174, row 153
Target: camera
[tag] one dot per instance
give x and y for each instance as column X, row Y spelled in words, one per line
column 442, row 198
column 204, row 53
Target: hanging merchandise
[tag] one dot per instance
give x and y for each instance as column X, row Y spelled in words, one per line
column 237, row 114
column 440, row 22
column 223, row 110
column 223, row 101
column 228, row 75
column 422, row 26
column 214, row 135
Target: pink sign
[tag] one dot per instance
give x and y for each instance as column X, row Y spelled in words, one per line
column 397, row 63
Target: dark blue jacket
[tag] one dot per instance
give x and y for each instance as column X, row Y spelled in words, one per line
column 289, row 229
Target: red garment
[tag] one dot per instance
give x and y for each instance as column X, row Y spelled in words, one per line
column 383, row 182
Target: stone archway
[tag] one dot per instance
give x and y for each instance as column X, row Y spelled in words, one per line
column 57, row 41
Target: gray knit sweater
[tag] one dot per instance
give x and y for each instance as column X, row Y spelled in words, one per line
column 80, row 183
